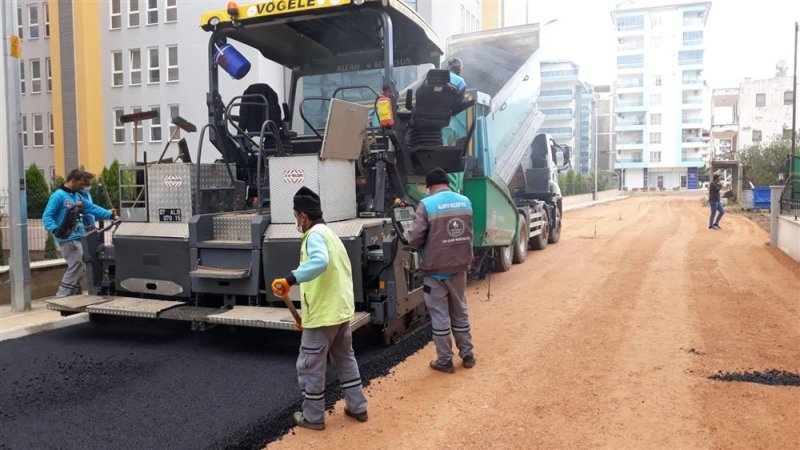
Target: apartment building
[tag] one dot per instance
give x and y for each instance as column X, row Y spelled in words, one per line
column 661, row 99
column 765, row 110
column 36, row 85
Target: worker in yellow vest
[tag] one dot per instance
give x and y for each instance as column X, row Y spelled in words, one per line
column 326, row 288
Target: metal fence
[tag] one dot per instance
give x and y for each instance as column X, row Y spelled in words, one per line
column 38, row 247
column 790, row 199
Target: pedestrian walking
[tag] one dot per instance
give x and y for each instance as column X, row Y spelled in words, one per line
column 62, row 218
column 328, row 305
column 715, row 203
column 442, row 230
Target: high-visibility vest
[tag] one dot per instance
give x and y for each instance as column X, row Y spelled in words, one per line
column 328, row 299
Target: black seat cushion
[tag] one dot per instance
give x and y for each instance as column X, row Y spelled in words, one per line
column 252, row 116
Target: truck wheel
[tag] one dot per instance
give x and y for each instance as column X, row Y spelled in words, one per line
column 521, row 246
column 555, row 232
column 503, row 258
column 539, row 242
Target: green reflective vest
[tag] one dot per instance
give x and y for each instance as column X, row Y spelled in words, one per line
column 328, row 299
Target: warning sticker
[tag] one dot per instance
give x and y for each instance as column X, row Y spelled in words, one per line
column 294, row 176
column 173, row 181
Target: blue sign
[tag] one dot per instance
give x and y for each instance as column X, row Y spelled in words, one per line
column 692, row 180
column 644, row 183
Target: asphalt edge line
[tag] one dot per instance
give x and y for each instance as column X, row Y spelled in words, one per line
column 46, row 326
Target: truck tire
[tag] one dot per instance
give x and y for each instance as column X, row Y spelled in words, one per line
column 555, row 232
column 540, row 242
column 503, row 258
column 521, row 246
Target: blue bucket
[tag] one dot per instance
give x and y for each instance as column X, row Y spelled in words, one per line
column 232, row 61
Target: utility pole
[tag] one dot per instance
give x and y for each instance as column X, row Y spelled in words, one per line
column 794, row 91
column 20, row 268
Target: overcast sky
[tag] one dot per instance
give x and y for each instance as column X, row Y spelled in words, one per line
column 744, row 38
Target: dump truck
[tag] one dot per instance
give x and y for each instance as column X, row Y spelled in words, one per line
column 367, row 115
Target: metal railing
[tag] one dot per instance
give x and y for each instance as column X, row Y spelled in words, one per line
column 790, row 199
column 693, row 100
column 630, row 84
column 692, row 120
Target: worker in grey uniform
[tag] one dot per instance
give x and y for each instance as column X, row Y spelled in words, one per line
column 326, row 288
column 442, row 231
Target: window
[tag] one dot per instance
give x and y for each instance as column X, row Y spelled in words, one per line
column 153, row 70
column 36, row 76
column 33, row 21
column 655, row 138
column 115, row 9
column 172, row 63
column 24, row 130
column 51, row 135
column 655, row 157
column 133, row 13
column 20, row 28
column 630, row 61
column 152, row 12
column 655, row 22
column 49, row 72
column 46, row 20
column 21, row 77
column 135, row 67
column 761, row 100
column 655, row 119
column 655, row 99
column 119, row 127
column 690, row 57
column 174, row 132
column 655, row 41
column 38, row 130
column 693, row 37
column 788, row 98
column 116, row 69
column 138, row 132
column 657, row 80
column 171, row 11
column 630, row 23
column 155, row 125
column 756, row 135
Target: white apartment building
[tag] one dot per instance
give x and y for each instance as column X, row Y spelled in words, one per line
column 765, row 110
column 662, row 101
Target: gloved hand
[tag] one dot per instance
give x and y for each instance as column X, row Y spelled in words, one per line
column 281, row 287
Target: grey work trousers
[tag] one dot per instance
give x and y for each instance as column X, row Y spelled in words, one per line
column 447, row 304
column 316, row 345
column 72, row 252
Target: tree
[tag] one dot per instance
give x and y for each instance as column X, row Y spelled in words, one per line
column 37, row 192
column 50, row 248
column 763, row 162
column 56, row 182
column 110, row 178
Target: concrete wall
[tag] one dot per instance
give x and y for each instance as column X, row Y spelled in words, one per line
column 770, row 119
column 45, row 277
column 789, row 236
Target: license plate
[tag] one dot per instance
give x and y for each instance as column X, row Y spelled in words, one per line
column 169, row 215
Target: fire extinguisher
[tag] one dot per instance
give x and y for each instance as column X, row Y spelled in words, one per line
column 383, row 105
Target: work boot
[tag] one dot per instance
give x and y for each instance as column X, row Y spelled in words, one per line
column 442, row 367
column 361, row 417
column 717, row 227
column 469, row 361
column 302, row 422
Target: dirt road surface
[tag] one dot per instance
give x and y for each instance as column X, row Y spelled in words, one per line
column 607, row 339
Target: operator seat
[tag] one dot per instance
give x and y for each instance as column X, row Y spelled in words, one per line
column 254, row 113
column 437, row 101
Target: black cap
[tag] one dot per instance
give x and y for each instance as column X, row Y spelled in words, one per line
column 436, row 176
column 307, row 201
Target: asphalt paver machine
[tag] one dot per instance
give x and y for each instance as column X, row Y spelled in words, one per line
column 365, row 115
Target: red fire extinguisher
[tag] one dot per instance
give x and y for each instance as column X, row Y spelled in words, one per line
column 384, row 107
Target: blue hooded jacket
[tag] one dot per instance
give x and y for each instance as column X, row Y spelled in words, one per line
column 57, row 207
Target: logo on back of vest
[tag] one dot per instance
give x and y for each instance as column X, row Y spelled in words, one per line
column 455, row 227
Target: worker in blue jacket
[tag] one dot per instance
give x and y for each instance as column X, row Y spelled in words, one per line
column 62, row 217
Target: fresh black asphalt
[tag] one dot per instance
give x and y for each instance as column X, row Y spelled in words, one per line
column 156, row 384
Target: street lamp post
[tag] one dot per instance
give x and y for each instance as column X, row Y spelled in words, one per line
column 794, row 91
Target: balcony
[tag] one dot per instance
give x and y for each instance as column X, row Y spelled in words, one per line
column 559, row 75
column 630, row 106
column 552, row 98
column 630, row 45
column 693, row 81
column 629, row 144
column 691, row 42
column 629, row 159
column 628, row 66
column 690, row 62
